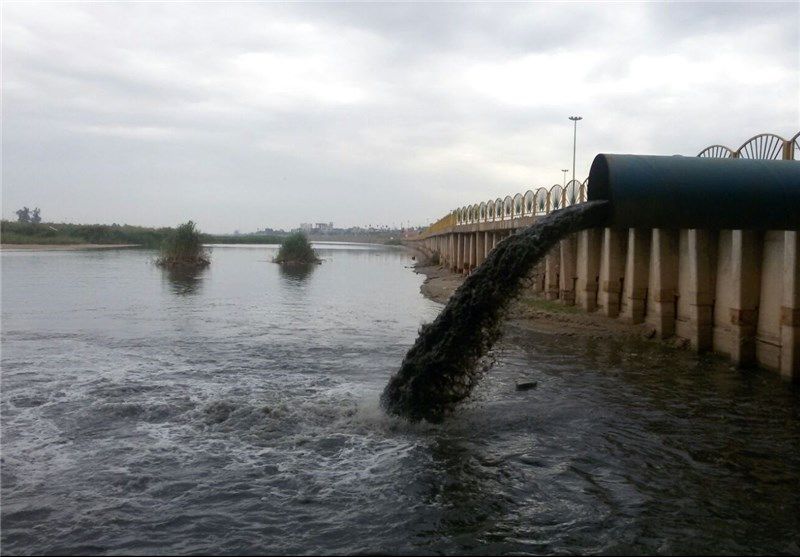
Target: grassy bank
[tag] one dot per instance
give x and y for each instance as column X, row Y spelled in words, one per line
column 50, row 233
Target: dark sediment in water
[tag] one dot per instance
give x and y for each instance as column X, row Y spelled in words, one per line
column 445, row 362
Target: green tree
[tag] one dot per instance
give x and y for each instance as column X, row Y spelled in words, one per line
column 183, row 247
column 296, row 248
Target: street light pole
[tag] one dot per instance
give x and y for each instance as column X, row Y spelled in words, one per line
column 574, row 141
column 565, row 170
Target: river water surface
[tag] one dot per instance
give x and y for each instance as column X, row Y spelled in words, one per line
column 236, row 411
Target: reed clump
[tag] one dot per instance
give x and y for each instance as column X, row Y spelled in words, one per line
column 183, row 247
column 296, row 250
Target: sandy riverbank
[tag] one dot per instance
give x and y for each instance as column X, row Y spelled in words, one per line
column 61, row 247
column 533, row 313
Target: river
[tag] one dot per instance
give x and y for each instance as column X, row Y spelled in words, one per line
column 235, row 411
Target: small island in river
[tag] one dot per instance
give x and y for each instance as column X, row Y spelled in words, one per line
column 183, row 248
column 296, row 250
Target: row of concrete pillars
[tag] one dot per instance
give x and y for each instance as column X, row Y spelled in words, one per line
column 463, row 252
column 731, row 291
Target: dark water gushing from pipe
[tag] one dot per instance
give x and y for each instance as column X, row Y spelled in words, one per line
column 444, row 364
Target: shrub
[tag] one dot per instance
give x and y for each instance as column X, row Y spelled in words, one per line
column 183, row 247
column 296, row 248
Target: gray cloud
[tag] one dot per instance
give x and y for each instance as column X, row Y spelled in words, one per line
column 252, row 115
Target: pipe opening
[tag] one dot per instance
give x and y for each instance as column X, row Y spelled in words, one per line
column 598, row 188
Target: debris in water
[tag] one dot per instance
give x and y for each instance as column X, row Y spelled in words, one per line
column 442, row 367
column 527, row 385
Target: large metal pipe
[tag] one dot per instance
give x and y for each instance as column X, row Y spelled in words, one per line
column 695, row 192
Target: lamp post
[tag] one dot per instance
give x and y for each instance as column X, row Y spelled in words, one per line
column 565, row 170
column 574, row 141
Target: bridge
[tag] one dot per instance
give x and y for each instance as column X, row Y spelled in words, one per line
column 734, row 292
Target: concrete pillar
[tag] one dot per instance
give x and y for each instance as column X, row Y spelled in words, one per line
column 737, row 295
column 451, row 251
column 459, row 253
column 771, row 300
column 464, row 252
column 465, row 257
column 473, row 251
column 537, row 277
column 588, row 267
column 663, row 281
column 612, row 270
column 552, row 262
column 696, row 287
column 790, row 308
column 467, row 254
column 637, row 269
column 487, row 244
column 480, row 251
column 568, row 273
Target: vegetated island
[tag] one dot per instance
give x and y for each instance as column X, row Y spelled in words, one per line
column 67, row 234
column 296, row 250
column 183, row 248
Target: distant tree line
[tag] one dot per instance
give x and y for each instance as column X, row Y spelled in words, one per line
column 36, row 232
column 26, row 215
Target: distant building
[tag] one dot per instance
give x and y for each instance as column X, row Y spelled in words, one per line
column 317, row 227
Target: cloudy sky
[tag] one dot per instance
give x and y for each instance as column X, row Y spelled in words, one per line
column 247, row 115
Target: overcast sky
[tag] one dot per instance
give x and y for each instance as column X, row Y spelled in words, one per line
column 247, row 115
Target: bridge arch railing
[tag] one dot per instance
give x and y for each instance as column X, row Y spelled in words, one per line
column 528, row 202
column 518, row 206
column 573, row 193
column 540, row 201
column 768, row 146
column 717, row 152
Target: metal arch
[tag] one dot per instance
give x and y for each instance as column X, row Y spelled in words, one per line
column 556, row 197
column 476, row 213
column 457, row 213
column 528, row 206
column 490, row 210
column 542, row 202
column 585, row 190
column 498, row 209
column 762, row 146
column 794, row 148
column 482, row 212
column 518, row 205
column 508, row 207
column 717, row 152
column 572, row 193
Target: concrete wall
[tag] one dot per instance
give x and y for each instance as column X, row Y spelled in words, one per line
column 733, row 292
